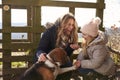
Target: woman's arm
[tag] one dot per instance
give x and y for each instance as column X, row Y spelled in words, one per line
column 43, row 46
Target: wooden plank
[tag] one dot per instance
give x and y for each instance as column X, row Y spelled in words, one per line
column 23, row 29
column 66, row 4
column 19, row 2
column 13, row 74
column 51, row 3
column 0, row 6
column 14, row 71
column 17, row 58
column 99, row 12
column 20, row 45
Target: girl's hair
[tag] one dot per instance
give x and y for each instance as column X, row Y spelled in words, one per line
column 84, row 46
column 73, row 37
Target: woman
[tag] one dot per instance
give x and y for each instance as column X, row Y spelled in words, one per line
column 62, row 34
column 94, row 56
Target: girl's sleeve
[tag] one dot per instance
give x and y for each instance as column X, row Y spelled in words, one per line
column 80, row 56
column 99, row 56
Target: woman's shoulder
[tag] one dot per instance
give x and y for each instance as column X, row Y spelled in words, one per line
column 50, row 31
column 53, row 28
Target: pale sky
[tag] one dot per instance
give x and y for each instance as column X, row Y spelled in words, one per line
column 112, row 13
column 19, row 16
column 0, row 1
column 77, row 0
column 0, row 15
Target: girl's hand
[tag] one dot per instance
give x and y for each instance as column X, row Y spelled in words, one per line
column 74, row 46
column 42, row 57
column 77, row 64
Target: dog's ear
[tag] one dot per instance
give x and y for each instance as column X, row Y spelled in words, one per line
column 53, row 54
column 65, row 58
column 59, row 55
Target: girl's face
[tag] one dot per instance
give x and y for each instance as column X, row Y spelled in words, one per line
column 70, row 25
column 86, row 37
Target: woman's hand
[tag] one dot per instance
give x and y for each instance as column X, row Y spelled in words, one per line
column 42, row 57
column 74, row 46
column 77, row 64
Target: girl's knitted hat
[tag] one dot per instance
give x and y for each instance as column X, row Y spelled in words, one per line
column 92, row 27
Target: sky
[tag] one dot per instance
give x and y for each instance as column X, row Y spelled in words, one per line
column 112, row 13
column 78, row 0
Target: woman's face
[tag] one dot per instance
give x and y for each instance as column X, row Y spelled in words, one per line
column 70, row 25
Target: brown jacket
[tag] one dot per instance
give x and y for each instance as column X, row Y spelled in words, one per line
column 99, row 58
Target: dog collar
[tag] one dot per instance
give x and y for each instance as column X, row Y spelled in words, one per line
column 51, row 63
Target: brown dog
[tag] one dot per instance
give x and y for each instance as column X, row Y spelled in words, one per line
column 49, row 69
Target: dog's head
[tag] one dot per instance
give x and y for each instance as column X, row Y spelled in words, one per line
column 59, row 55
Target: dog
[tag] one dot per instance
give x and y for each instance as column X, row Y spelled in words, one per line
column 49, row 69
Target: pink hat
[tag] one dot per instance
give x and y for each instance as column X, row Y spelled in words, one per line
column 92, row 27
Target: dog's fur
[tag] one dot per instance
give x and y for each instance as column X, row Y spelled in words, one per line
column 49, row 69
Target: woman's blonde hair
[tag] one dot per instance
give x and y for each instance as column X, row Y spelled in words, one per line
column 73, row 37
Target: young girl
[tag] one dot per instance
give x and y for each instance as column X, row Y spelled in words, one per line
column 94, row 56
